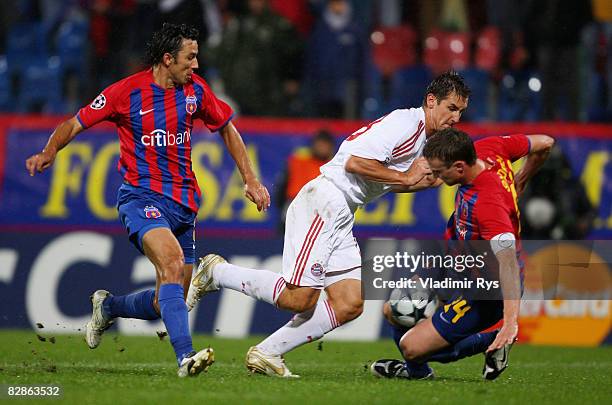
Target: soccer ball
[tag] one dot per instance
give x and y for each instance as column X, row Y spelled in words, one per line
column 411, row 306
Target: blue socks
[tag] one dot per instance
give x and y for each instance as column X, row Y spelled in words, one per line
column 471, row 345
column 416, row 370
column 398, row 332
column 138, row 305
column 174, row 314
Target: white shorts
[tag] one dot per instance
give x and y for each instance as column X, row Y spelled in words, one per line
column 320, row 248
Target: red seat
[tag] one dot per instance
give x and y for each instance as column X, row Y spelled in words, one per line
column 393, row 48
column 456, row 46
column 445, row 50
column 433, row 52
column 488, row 49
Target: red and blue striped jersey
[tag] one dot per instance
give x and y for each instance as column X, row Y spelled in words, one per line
column 488, row 205
column 154, row 126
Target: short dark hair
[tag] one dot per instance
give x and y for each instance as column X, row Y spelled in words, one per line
column 448, row 82
column 450, row 145
column 325, row 136
column 168, row 39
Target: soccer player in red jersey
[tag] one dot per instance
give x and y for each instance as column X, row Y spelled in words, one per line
column 154, row 111
column 485, row 208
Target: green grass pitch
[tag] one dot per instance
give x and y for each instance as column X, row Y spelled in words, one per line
column 141, row 370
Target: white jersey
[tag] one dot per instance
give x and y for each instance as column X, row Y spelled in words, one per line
column 395, row 140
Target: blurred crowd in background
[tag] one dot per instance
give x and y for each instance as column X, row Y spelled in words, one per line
column 525, row 60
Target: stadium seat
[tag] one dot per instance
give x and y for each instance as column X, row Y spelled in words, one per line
column 596, row 102
column 479, row 82
column 444, row 50
column 408, row 86
column 519, row 96
column 71, row 46
column 393, row 48
column 488, row 49
column 374, row 100
column 26, row 44
column 41, row 88
column 456, row 48
column 433, row 52
column 5, row 86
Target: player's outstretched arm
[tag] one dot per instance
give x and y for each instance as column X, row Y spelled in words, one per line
column 253, row 189
column 509, row 275
column 373, row 170
column 540, row 147
column 63, row 134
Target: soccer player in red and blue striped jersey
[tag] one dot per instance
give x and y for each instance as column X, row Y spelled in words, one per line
column 154, row 111
column 485, row 208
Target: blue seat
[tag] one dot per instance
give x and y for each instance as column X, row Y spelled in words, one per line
column 596, row 102
column 5, row 86
column 519, row 97
column 478, row 81
column 408, row 86
column 41, row 88
column 71, row 45
column 375, row 104
column 26, row 44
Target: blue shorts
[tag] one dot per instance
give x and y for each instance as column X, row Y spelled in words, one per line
column 141, row 210
column 462, row 318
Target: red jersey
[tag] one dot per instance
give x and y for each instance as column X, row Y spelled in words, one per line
column 154, row 126
column 488, row 206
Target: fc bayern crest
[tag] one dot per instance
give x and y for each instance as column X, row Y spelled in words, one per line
column 152, row 212
column 191, row 104
column 317, row 270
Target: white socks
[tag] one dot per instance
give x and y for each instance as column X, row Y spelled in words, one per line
column 302, row 328
column 267, row 286
column 260, row 284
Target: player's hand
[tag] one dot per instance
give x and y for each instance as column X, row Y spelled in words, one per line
column 40, row 161
column 506, row 335
column 418, row 170
column 428, row 181
column 257, row 193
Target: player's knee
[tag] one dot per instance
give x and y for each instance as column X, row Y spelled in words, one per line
column 409, row 350
column 172, row 268
column 349, row 310
column 298, row 299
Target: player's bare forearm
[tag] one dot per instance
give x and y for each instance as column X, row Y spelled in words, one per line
column 510, row 281
column 511, row 287
column 237, row 149
column 62, row 136
column 373, row 170
column 540, row 147
column 253, row 189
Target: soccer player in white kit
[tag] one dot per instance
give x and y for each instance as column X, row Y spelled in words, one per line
column 320, row 251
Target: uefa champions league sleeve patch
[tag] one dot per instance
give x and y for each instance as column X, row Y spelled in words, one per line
column 99, row 102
